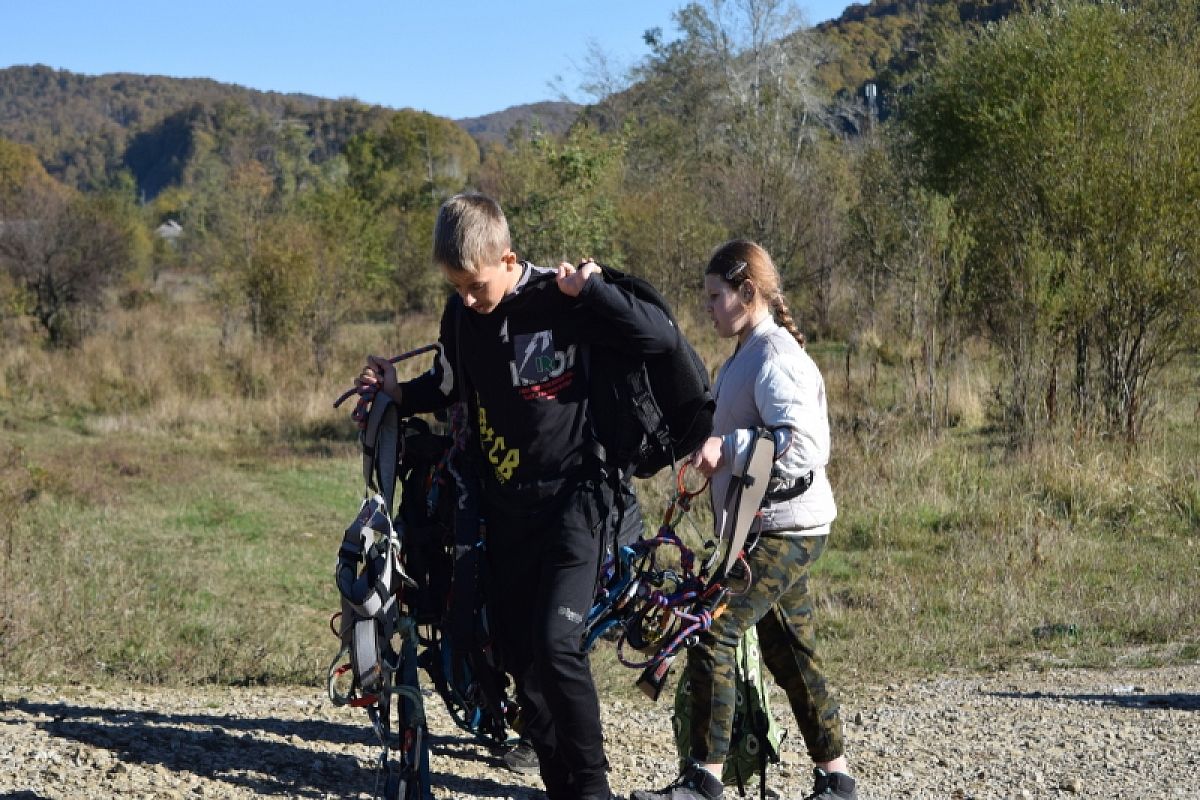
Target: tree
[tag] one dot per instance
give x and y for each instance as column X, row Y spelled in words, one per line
column 1069, row 139
column 404, row 172
column 666, row 232
column 728, row 112
column 349, row 264
column 299, row 267
column 65, row 251
column 906, row 250
column 63, row 248
column 560, row 195
column 231, row 244
column 21, row 176
column 416, row 161
column 749, row 65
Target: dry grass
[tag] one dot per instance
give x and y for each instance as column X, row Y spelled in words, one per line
column 170, row 511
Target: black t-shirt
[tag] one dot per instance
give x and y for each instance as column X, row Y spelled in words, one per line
column 524, row 368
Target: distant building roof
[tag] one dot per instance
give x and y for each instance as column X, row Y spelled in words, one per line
column 169, row 230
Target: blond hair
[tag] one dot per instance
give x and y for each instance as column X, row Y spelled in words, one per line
column 741, row 260
column 470, row 232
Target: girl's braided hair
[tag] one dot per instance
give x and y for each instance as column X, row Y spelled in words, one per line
column 740, row 260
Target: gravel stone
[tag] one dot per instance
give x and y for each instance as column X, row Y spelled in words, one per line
column 1048, row 734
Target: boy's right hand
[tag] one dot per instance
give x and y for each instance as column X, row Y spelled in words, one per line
column 571, row 278
column 379, row 373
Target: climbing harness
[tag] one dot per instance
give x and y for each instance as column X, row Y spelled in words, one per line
column 397, row 565
column 745, row 495
column 381, row 645
column 659, row 610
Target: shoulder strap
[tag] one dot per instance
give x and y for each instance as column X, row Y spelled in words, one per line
column 381, row 444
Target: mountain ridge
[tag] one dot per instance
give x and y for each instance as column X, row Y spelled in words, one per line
column 81, row 126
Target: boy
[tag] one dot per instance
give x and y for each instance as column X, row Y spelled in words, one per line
column 515, row 342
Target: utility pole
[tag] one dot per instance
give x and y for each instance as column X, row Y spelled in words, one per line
column 870, row 90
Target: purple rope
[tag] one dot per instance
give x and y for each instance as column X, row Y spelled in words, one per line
column 367, row 393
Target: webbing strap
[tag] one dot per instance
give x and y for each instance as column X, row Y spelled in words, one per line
column 381, row 443
column 646, row 408
column 747, row 489
column 366, row 657
column 368, row 570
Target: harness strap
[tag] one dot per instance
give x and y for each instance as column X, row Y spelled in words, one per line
column 782, row 490
column 365, row 656
column 368, row 571
column 382, row 448
column 747, row 490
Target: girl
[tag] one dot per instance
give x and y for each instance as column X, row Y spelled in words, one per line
column 768, row 382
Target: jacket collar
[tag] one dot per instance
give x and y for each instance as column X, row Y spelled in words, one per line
column 764, row 327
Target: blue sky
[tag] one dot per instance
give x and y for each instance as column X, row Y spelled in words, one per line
column 455, row 59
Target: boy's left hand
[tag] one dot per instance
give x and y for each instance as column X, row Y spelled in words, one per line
column 571, row 279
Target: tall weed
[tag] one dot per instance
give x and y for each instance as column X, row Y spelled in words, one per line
column 170, row 506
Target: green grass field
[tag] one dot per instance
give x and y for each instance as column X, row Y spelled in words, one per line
column 171, row 513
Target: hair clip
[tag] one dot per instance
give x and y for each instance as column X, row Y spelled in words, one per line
column 736, row 272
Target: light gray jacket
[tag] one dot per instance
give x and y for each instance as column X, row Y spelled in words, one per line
column 771, row 382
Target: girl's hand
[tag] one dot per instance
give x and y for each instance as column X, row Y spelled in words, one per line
column 709, row 458
column 378, row 373
column 571, row 279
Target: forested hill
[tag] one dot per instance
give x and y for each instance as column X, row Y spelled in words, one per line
column 84, row 128
column 881, row 40
column 553, row 117
column 80, row 125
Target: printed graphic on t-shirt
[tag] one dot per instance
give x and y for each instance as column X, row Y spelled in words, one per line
column 539, row 372
column 504, row 460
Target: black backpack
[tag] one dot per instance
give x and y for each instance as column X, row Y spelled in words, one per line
column 663, row 404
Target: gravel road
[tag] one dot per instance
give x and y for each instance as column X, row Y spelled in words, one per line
column 1053, row 734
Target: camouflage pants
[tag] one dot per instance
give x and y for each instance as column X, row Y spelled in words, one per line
column 778, row 605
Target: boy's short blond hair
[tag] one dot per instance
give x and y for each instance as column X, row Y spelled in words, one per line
column 470, row 232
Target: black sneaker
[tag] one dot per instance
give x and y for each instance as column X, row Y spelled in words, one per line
column 696, row 783
column 832, row 785
column 522, row 758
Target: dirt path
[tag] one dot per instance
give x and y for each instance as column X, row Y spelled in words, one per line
column 1059, row 734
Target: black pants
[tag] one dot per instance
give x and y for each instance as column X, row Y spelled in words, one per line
column 541, row 583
